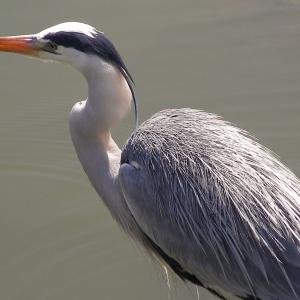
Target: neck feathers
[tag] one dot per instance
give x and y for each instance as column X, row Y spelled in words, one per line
column 109, row 99
column 109, row 96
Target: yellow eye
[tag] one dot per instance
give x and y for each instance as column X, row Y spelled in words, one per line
column 51, row 46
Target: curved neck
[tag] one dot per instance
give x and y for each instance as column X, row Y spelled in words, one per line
column 109, row 96
column 108, row 101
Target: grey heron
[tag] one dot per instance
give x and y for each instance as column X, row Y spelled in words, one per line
column 201, row 195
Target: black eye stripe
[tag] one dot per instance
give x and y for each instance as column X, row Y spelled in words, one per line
column 98, row 45
column 76, row 40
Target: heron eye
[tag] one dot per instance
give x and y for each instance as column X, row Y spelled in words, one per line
column 51, row 46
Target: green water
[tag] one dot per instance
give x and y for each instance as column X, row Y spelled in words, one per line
column 237, row 58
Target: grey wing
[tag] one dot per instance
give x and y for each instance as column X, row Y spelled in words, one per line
column 166, row 239
column 222, row 229
column 187, row 252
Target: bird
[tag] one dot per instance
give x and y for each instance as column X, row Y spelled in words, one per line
column 203, row 197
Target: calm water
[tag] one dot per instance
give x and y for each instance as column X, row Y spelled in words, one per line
column 237, row 58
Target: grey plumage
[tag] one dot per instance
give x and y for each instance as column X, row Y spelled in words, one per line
column 232, row 205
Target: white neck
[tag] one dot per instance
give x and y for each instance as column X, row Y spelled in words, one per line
column 109, row 96
column 109, row 99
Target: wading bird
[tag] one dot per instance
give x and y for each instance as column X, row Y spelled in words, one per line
column 198, row 193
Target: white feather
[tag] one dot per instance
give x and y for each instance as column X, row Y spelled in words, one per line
column 69, row 27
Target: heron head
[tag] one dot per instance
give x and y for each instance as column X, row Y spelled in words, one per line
column 71, row 42
column 74, row 43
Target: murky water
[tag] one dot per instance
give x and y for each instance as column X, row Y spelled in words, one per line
column 237, row 58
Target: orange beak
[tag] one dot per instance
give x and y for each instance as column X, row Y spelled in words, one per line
column 22, row 44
